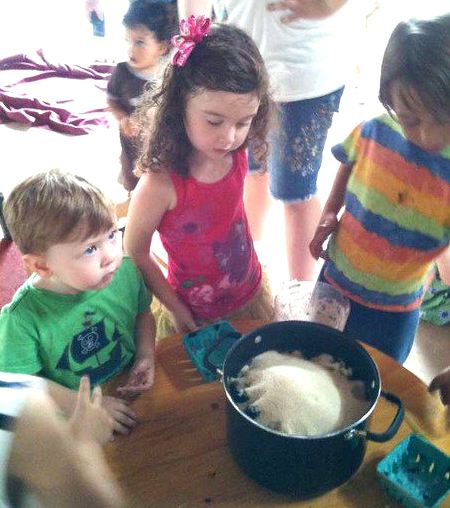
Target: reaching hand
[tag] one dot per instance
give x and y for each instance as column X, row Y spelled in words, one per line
column 141, row 377
column 328, row 223
column 128, row 127
column 90, row 421
column 184, row 322
column 303, row 9
column 124, row 418
column 442, row 383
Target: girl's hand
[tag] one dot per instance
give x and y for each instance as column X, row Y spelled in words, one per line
column 141, row 377
column 328, row 223
column 128, row 127
column 124, row 418
column 442, row 383
column 90, row 421
column 184, row 322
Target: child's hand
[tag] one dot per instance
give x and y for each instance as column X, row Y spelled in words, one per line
column 442, row 383
column 328, row 223
column 124, row 418
column 184, row 322
column 141, row 377
column 128, row 127
column 90, row 421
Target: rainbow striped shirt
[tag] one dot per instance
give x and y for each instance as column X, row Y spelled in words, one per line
column 396, row 219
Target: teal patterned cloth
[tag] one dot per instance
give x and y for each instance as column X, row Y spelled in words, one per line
column 435, row 307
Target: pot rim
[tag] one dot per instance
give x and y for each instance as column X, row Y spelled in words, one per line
column 354, row 343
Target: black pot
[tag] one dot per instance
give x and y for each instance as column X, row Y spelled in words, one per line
column 302, row 466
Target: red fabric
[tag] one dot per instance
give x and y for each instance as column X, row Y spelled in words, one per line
column 64, row 98
column 12, row 271
column 212, row 262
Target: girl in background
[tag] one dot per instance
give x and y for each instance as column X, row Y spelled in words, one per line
column 149, row 27
column 213, row 101
column 394, row 182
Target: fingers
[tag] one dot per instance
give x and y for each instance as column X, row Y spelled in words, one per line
column 84, row 391
column 278, row 6
column 97, row 396
column 124, row 421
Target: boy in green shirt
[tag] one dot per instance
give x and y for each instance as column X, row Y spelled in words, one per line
column 85, row 308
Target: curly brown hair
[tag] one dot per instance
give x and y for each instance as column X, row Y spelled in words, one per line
column 226, row 60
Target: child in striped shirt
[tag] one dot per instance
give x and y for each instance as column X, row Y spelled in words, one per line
column 394, row 182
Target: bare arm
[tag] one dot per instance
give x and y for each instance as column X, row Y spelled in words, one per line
column 142, row 373
column 443, row 264
column 153, row 196
column 62, row 471
column 328, row 220
column 306, row 9
column 197, row 7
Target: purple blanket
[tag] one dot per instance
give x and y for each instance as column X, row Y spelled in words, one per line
column 64, row 98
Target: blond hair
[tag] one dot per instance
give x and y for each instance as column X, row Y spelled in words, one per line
column 55, row 207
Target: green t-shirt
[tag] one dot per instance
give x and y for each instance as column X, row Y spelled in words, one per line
column 63, row 337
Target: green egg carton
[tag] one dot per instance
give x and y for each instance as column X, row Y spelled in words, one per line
column 416, row 473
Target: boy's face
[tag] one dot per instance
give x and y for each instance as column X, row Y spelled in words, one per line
column 144, row 50
column 82, row 265
column 417, row 123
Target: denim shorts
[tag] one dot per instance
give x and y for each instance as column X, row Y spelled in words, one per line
column 296, row 146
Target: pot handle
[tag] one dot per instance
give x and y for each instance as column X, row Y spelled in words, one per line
column 382, row 437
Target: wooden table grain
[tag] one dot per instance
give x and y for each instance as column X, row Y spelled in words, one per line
column 178, row 457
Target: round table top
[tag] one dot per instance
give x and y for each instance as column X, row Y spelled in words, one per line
column 177, row 456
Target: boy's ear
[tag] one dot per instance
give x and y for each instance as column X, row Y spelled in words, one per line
column 36, row 263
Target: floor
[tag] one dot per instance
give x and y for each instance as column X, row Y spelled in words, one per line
column 28, row 150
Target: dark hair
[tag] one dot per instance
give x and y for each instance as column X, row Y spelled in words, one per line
column 157, row 16
column 225, row 60
column 55, row 207
column 418, row 57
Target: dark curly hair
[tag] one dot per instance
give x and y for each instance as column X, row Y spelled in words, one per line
column 418, row 56
column 226, row 60
column 159, row 17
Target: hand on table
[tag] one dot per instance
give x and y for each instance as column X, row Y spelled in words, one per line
column 328, row 223
column 90, row 421
column 442, row 383
column 184, row 321
column 141, row 377
column 124, row 418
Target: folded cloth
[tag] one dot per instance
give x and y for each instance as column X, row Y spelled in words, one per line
column 435, row 307
column 208, row 347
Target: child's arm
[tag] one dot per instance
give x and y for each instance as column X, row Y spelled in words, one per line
column 442, row 383
column 126, row 125
column 142, row 373
column 197, row 7
column 443, row 264
column 328, row 220
column 152, row 198
column 123, row 416
column 65, row 470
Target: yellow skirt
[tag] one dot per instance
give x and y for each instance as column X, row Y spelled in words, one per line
column 259, row 307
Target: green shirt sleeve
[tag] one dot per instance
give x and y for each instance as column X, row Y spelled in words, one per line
column 19, row 350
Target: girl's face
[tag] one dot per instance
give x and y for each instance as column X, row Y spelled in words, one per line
column 144, row 49
column 217, row 123
column 419, row 126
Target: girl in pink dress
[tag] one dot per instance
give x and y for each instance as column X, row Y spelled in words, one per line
column 213, row 101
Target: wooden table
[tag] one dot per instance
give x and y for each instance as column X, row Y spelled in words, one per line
column 178, row 457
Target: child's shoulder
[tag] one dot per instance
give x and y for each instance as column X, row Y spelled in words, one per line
column 22, row 298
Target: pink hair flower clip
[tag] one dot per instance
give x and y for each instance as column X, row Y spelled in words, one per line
column 192, row 31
